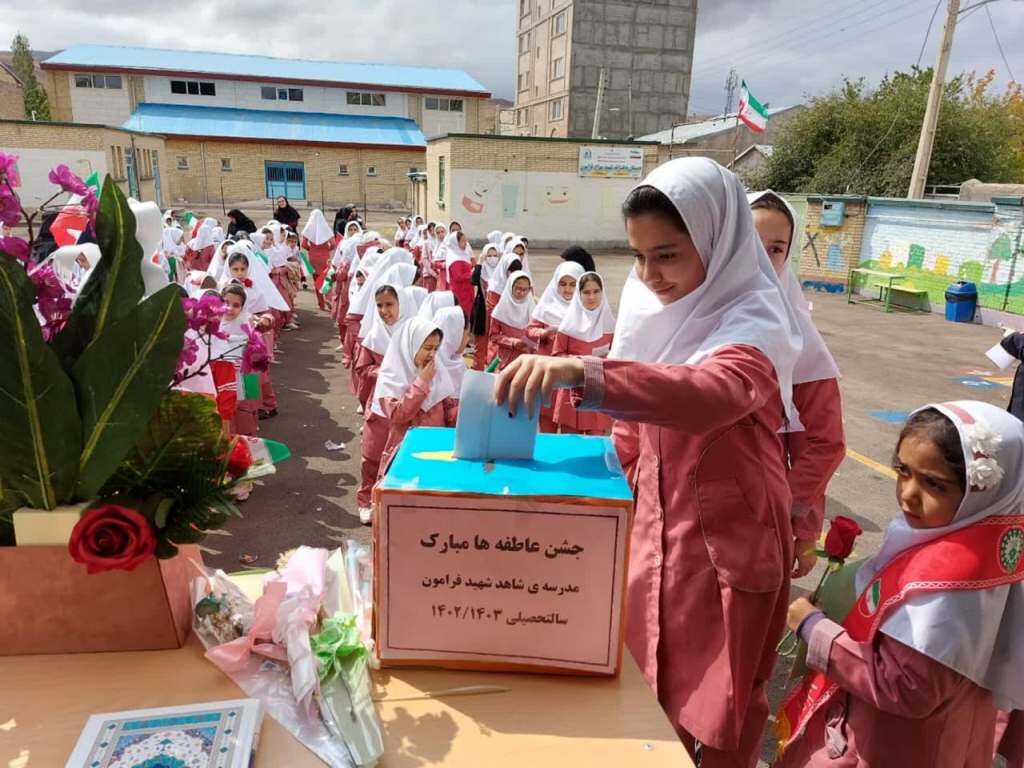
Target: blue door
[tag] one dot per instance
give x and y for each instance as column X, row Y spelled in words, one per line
column 288, row 179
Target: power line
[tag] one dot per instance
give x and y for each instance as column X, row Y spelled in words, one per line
column 999, row 44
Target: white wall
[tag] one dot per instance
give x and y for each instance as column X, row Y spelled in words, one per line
column 103, row 106
column 35, row 164
column 550, row 208
column 247, row 95
column 437, row 123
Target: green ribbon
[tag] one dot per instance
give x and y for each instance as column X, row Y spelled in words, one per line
column 337, row 645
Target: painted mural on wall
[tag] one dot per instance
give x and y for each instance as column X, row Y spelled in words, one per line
column 937, row 247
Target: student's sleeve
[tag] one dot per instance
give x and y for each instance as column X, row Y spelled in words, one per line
column 505, row 342
column 816, row 453
column 890, row 676
column 560, row 347
column 535, row 331
column 1014, row 345
column 402, row 413
column 727, row 386
column 626, row 438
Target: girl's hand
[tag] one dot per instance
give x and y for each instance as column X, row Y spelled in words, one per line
column 530, row 379
column 427, row 372
column 799, row 610
column 265, row 321
column 804, row 557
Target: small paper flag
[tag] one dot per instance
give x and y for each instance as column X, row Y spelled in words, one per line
column 251, row 386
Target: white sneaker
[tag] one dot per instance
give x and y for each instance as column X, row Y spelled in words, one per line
column 366, row 515
column 340, row 348
column 359, row 409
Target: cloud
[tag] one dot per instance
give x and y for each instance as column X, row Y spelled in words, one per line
column 785, row 49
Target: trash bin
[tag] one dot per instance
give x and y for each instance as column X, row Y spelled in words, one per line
column 961, row 302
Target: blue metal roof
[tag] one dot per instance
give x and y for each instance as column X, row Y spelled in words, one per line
column 154, row 60
column 273, row 125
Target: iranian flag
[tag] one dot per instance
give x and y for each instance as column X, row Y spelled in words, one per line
column 752, row 112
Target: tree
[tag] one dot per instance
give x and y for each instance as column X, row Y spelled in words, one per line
column 37, row 105
column 863, row 141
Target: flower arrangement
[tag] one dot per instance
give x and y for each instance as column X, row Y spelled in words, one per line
column 87, row 407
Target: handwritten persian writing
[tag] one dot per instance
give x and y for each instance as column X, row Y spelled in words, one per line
column 505, row 544
column 519, row 585
column 479, row 613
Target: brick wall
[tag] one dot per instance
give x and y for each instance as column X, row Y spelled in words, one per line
column 247, row 178
column 58, row 88
column 829, row 253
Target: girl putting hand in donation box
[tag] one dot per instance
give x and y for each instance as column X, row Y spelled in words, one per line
column 932, row 645
column 699, row 383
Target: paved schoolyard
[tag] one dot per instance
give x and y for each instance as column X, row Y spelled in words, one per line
column 891, row 363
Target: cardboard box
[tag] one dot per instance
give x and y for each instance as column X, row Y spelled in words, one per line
column 503, row 565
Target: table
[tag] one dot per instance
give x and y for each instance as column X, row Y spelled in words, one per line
column 891, row 279
column 543, row 720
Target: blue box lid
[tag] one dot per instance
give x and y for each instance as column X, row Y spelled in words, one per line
column 563, row 465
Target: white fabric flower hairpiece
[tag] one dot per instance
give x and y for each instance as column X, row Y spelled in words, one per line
column 983, row 471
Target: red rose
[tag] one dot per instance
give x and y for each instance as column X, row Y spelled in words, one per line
column 111, row 537
column 842, row 535
column 240, row 459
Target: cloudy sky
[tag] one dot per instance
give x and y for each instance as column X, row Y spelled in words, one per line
column 785, row 49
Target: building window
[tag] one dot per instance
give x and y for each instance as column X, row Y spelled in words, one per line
column 560, row 23
column 556, row 109
column 524, row 43
column 273, row 93
column 112, row 82
column 371, row 170
column 443, row 105
column 343, row 170
column 193, row 88
column 521, row 82
column 225, row 164
column 359, row 98
column 414, row 169
column 295, row 94
column 558, row 68
column 182, row 163
column 268, row 92
column 440, row 178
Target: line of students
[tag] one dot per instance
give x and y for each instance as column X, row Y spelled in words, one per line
column 727, row 418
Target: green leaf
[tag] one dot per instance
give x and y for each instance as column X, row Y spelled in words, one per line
column 120, row 379
column 39, row 424
column 162, row 510
column 115, row 286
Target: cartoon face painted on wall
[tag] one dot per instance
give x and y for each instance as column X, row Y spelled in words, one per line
column 557, row 195
column 475, row 200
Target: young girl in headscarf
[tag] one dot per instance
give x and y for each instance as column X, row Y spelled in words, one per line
column 914, row 674
column 455, row 326
column 459, row 269
column 814, row 437
column 480, row 315
column 360, row 300
column 199, row 252
column 439, row 257
column 341, row 264
column 517, row 246
column 172, row 247
column 435, row 302
column 586, row 330
column 392, row 306
column 318, row 239
column 547, row 316
column 698, row 380
column 413, row 388
column 428, row 275
column 507, row 337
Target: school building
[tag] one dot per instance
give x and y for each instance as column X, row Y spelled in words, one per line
column 242, row 128
column 559, row 191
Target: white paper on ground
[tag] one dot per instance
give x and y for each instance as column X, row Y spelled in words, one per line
column 484, row 429
column 1000, row 357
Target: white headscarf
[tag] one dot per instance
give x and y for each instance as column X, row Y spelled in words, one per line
column 552, row 307
column 317, row 230
column 398, row 370
column 276, row 229
column 398, row 275
column 525, row 258
column 218, row 235
column 588, row 324
column 378, row 334
column 194, row 283
column 453, row 253
column 494, row 238
column 356, row 224
column 512, row 312
column 345, row 253
column 978, row 633
column 203, row 238
column 487, row 270
column 501, row 274
column 259, row 273
column 439, row 240
column 171, row 241
column 740, row 300
column 375, row 265
column 435, row 302
column 815, row 362
column 452, row 322
column 419, row 295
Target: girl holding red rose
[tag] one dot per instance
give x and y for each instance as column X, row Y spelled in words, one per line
column 932, row 647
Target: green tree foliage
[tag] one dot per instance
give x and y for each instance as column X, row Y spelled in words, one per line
column 862, row 141
column 37, row 105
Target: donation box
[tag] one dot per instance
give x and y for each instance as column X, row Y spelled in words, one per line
column 505, row 564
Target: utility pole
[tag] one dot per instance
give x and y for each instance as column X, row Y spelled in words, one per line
column 931, row 116
column 596, row 133
column 730, row 90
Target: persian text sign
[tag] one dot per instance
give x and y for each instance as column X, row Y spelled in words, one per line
column 499, row 582
column 611, row 162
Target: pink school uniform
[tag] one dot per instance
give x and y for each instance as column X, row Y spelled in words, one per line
column 319, row 240
column 932, row 647
column 698, row 388
column 544, row 322
column 507, row 332
column 403, row 398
